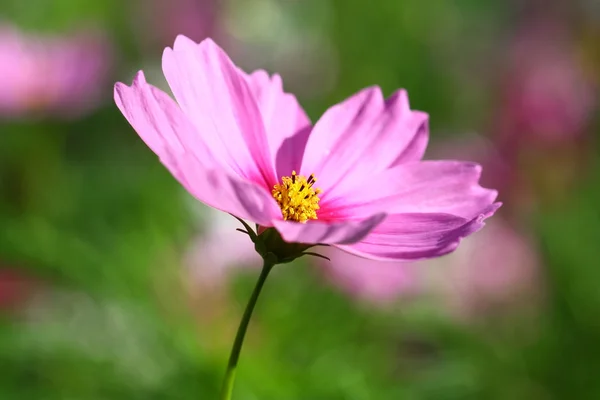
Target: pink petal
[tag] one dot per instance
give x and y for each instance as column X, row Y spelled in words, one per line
column 167, row 131
column 216, row 98
column 339, row 232
column 157, row 129
column 449, row 187
column 243, row 199
column 286, row 124
column 404, row 237
column 363, row 136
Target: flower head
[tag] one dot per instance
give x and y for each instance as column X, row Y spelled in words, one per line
column 59, row 75
column 239, row 143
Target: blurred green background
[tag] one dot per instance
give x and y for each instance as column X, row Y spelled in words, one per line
column 115, row 284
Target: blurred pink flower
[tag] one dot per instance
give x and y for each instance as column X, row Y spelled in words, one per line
column 548, row 96
column 161, row 20
column 234, row 141
column 219, row 251
column 498, row 267
column 376, row 282
column 63, row 76
column 15, row 288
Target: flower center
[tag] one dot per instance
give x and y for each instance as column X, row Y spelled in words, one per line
column 298, row 200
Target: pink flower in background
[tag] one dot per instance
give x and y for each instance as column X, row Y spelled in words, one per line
column 161, row 20
column 62, row 76
column 376, row 282
column 498, row 267
column 15, row 288
column 547, row 93
column 240, row 144
column 219, row 251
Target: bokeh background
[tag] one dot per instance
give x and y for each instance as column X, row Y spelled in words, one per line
column 116, row 284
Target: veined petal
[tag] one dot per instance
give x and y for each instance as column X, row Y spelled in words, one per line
column 215, row 96
column 167, row 131
column 159, row 127
column 323, row 232
column 449, row 187
column 287, row 125
column 404, row 237
column 362, row 136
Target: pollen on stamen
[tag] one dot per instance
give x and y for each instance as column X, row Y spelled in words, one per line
column 296, row 197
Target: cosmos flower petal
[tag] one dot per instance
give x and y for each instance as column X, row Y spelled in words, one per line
column 166, row 130
column 243, row 199
column 404, row 237
column 141, row 108
column 362, row 136
column 449, row 187
column 215, row 96
column 328, row 232
column 414, row 143
column 287, row 125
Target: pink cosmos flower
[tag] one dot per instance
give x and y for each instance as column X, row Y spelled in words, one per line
column 239, row 143
column 58, row 75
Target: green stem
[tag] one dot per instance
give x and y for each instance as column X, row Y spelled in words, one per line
column 227, row 387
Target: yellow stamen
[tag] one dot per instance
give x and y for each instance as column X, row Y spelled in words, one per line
column 298, row 200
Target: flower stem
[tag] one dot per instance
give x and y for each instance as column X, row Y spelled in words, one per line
column 227, row 387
